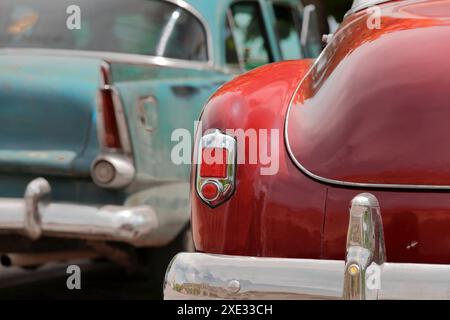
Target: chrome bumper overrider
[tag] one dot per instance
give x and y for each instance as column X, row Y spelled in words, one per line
column 35, row 216
column 364, row 274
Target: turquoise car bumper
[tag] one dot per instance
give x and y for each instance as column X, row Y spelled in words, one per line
column 36, row 216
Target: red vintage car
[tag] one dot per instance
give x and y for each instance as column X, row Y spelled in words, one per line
column 350, row 193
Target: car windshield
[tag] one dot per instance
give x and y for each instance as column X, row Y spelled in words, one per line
column 147, row 27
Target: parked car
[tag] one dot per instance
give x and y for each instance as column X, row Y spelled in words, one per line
column 365, row 124
column 90, row 94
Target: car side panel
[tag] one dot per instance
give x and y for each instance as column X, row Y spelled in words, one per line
column 170, row 100
column 278, row 215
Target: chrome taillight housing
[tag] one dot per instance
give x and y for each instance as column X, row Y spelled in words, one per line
column 113, row 168
column 112, row 171
column 216, row 168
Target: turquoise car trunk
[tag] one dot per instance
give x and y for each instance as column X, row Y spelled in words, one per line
column 48, row 125
column 47, row 114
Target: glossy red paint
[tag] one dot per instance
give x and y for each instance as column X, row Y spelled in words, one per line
column 373, row 109
column 415, row 224
column 376, row 106
column 280, row 215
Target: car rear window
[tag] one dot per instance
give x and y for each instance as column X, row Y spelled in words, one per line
column 147, row 27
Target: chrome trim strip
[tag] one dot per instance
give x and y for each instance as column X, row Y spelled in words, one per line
column 365, row 247
column 338, row 182
column 105, row 69
column 230, row 20
column 116, row 57
column 206, row 276
column 133, row 225
column 122, row 125
column 307, row 10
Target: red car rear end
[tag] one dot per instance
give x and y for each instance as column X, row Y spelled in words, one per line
column 365, row 127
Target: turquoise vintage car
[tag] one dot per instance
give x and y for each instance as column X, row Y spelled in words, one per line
column 90, row 95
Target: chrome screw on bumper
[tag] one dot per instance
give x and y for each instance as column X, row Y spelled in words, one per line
column 365, row 249
column 37, row 195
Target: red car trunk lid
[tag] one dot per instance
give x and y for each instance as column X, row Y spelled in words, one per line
column 377, row 112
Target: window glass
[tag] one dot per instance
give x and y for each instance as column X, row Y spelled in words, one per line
column 148, row 27
column 288, row 31
column 231, row 55
column 250, row 34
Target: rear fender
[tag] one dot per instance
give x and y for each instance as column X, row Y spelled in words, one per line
column 157, row 101
column 265, row 213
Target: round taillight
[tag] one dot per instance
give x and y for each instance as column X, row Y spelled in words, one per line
column 210, row 191
column 104, row 172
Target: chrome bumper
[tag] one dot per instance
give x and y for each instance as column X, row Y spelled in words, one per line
column 364, row 274
column 202, row 276
column 35, row 216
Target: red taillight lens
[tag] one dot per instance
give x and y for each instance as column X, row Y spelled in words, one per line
column 111, row 137
column 210, row 191
column 214, row 163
